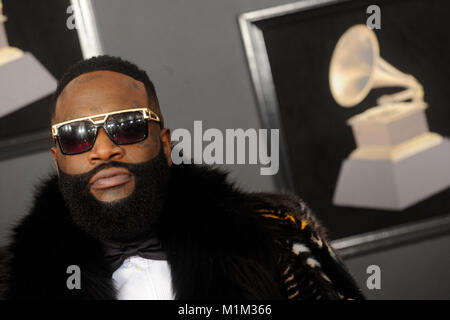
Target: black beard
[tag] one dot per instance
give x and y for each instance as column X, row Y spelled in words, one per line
column 124, row 220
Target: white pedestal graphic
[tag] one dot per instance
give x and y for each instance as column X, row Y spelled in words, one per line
column 398, row 162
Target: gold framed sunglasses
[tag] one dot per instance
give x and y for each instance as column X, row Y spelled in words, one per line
column 122, row 127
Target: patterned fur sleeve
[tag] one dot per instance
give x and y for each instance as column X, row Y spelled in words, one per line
column 310, row 269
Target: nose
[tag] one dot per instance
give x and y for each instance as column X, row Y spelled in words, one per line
column 104, row 149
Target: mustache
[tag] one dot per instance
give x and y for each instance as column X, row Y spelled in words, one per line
column 84, row 178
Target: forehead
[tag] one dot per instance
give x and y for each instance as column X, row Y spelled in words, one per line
column 99, row 92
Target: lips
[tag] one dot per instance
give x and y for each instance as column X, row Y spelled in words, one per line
column 111, row 177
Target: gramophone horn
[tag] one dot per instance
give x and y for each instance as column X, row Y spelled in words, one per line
column 356, row 67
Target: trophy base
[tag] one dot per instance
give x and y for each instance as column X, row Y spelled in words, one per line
column 23, row 80
column 394, row 185
column 8, row 54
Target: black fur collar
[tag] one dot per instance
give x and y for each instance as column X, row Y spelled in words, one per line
column 217, row 247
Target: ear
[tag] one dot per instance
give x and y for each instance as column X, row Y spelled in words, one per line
column 166, row 141
column 53, row 150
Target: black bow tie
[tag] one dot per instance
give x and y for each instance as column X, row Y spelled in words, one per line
column 115, row 254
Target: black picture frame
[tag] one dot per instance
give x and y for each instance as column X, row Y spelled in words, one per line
column 269, row 35
column 42, row 30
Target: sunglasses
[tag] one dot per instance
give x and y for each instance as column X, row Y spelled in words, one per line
column 122, row 127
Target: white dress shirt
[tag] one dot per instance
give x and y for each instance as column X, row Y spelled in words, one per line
column 143, row 279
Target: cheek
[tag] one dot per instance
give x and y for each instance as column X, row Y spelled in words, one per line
column 74, row 164
column 142, row 151
column 145, row 150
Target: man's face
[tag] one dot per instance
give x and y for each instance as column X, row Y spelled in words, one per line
column 101, row 92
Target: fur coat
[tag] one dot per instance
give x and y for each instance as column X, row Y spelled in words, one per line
column 220, row 243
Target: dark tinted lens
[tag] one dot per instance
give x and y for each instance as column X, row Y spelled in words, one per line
column 76, row 137
column 128, row 127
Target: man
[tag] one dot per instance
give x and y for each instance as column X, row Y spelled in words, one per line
column 132, row 225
